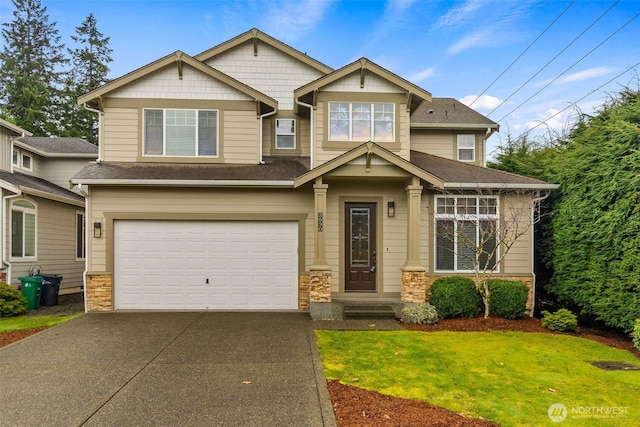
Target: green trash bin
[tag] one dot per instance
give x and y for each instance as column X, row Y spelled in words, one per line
column 31, row 288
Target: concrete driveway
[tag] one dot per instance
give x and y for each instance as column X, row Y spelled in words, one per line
column 167, row 369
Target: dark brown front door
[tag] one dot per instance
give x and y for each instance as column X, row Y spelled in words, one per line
column 360, row 251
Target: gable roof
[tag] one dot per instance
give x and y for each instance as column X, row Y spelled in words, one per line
column 458, row 175
column 177, row 58
column 369, row 149
column 58, row 147
column 447, row 113
column 35, row 186
column 256, row 35
column 14, row 128
column 415, row 94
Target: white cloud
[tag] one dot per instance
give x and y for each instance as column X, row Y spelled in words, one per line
column 586, row 74
column 458, row 15
column 421, row 75
column 485, row 102
column 481, row 38
column 290, row 19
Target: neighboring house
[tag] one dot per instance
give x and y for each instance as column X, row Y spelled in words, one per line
column 42, row 220
column 252, row 176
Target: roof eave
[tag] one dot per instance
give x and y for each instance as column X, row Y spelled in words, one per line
column 499, row 185
column 50, row 196
column 42, row 153
column 483, row 126
column 184, row 183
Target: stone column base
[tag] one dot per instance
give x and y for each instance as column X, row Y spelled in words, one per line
column 303, row 292
column 413, row 286
column 99, row 292
column 320, row 286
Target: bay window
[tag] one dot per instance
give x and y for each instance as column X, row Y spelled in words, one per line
column 466, row 233
column 361, row 121
column 180, row 133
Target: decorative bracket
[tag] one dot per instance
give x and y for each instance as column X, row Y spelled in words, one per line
column 179, row 55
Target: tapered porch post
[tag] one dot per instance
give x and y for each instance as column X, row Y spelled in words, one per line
column 320, row 272
column 413, row 285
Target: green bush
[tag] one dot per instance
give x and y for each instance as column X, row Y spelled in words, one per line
column 562, row 320
column 12, row 302
column 507, row 298
column 636, row 334
column 421, row 313
column 455, row 297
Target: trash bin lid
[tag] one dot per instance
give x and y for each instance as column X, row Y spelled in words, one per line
column 31, row 279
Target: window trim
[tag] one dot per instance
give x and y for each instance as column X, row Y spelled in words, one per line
column 295, row 144
column 164, row 133
column 457, row 217
column 350, row 138
column 15, row 158
column 81, row 241
column 472, row 148
column 24, row 155
column 24, row 210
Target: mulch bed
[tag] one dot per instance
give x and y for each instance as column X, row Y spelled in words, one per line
column 356, row 407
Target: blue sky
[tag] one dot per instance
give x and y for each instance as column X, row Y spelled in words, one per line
column 450, row 48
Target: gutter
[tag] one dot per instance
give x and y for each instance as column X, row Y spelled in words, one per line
column 86, row 245
column 260, row 133
column 86, row 107
column 311, row 135
column 189, row 183
column 500, row 185
column 4, row 249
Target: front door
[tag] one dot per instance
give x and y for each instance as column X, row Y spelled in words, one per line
column 360, row 250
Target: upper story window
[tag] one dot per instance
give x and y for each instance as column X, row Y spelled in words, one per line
column 466, row 228
column 466, row 147
column 27, row 162
column 361, row 121
column 285, row 133
column 16, row 158
column 181, row 133
column 23, row 229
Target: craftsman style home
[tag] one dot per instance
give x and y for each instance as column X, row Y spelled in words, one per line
column 251, row 176
column 42, row 220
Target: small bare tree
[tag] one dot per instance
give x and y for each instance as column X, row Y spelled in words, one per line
column 478, row 229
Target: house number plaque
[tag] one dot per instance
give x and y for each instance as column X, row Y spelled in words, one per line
column 320, row 221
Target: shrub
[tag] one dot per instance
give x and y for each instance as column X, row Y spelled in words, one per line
column 636, row 334
column 562, row 320
column 12, row 302
column 455, row 297
column 507, row 298
column 421, row 313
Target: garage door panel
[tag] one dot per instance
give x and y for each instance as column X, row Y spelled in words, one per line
column 166, row 264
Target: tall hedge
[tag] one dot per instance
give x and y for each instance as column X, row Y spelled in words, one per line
column 596, row 223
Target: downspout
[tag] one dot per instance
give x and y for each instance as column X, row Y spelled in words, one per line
column 86, row 107
column 5, row 261
column 260, row 133
column 533, row 254
column 86, row 246
column 311, row 126
column 487, row 135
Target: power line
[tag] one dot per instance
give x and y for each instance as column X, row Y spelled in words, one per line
column 570, row 67
column 523, row 52
column 575, row 102
column 554, row 58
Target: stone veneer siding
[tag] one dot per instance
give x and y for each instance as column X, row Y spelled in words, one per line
column 303, row 292
column 320, row 286
column 413, row 286
column 99, row 292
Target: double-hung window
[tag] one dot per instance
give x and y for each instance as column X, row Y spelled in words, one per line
column 23, row 229
column 361, row 121
column 285, row 133
column 181, row 133
column 466, row 233
column 81, row 230
column 466, row 147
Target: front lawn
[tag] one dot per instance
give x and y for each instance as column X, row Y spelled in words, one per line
column 511, row 378
column 17, row 323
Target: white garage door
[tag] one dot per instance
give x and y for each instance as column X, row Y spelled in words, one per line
column 197, row 265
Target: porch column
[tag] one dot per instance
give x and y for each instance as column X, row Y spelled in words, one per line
column 320, row 272
column 414, row 274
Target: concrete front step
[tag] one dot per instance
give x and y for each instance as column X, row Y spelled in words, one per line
column 362, row 311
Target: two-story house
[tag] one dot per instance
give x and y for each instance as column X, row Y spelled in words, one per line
column 42, row 221
column 252, row 176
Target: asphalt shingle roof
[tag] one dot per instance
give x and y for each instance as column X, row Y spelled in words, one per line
column 443, row 111
column 31, row 182
column 60, row 145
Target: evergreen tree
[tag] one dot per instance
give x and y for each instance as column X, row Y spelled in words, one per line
column 31, row 65
column 89, row 70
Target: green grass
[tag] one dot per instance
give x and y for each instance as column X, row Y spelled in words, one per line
column 17, row 323
column 508, row 377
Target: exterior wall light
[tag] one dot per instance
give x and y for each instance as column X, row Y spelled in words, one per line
column 391, row 209
column 97, row 230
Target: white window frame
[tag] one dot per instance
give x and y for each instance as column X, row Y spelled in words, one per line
column 24, row 156
column 15, row 158
column 81, row 236
column 24, row 211
column 466, row 143
column 293, row 134
column 349, row 116
column 164, row 133
column 455, row 216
